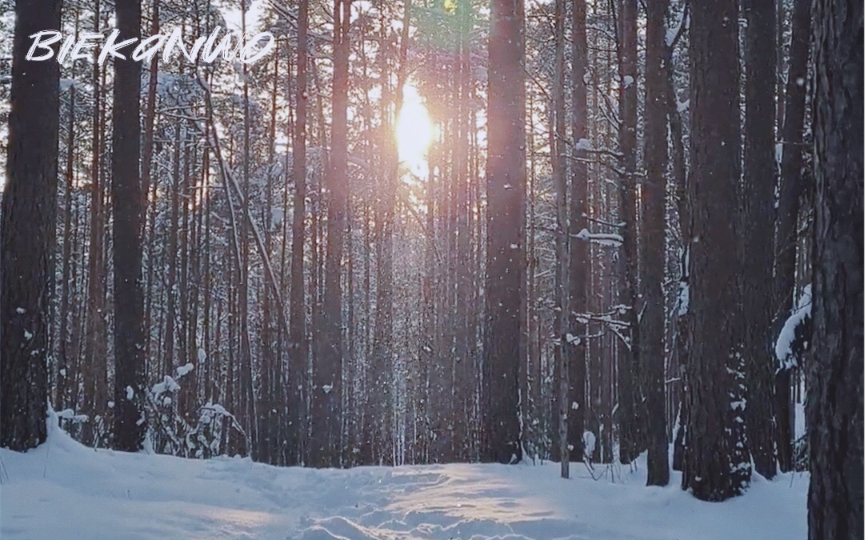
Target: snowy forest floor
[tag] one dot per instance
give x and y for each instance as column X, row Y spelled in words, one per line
column 65, row 490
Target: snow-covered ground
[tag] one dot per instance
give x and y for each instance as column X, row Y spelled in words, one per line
column 64, row 490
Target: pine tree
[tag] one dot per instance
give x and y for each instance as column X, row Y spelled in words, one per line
column 715, row 465
column 578, row 262
column 506, row 180
column 756, row 229
column 328, row 371
column 28, row 232
column 834, row 404
column 129, row 362
column 654, row 242
column 627, row 371
column 297, row 332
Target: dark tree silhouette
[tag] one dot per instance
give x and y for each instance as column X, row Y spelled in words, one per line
column 715, row 463
column 654, row 235
column 756, row 229
column 128, row 198
column 506, row 181
column 28, row 234
column 834, row 404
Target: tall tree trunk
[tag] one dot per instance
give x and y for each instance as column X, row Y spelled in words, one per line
column 147, row 168
column 788, row 217
column 715, row 465
column 558, row 141
column 247, row 393
column 628, row 380
column 64, row 376
column 506, row 179
column 28, row 232
column 756, row 222
column 128, row 199
column 297, row 332
column 168, row 360
column 328, row 370
column 654, row 243
column 680, row 177
column 578, row 263
column 95, row 348
column 834, row 403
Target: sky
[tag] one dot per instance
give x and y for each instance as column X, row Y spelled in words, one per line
column 253, row 14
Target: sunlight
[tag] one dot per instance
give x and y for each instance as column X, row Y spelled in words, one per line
column 414, row 132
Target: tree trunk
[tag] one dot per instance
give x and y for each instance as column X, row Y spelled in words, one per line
column 328, row 370
column 628, row 359
column 506, row 179
column 654, row 243
column 714, row 467
column 558, row 141
column 297, row 332
column 578, row 263
column 834, row 403
column 64, row 376
column 128, row 198
column 757, row 213
column 28, row 232
column 95, row 348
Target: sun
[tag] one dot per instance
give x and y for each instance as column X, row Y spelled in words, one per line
column 414, row 132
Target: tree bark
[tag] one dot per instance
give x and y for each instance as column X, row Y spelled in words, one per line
column 714, row 467
column 834, row 403
column 506, row 179
column 628, row 379
column 757, row 219
column 654, row 243
column 558, row 139
column 328, row 371
column 128, row 198
column 297, row 332
column 28, row 232
column 578, row 262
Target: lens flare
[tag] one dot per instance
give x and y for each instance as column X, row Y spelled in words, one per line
column 414, row 131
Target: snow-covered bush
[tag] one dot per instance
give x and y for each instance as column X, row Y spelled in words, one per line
column 193, row 432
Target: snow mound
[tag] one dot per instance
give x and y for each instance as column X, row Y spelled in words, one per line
column 65, row 490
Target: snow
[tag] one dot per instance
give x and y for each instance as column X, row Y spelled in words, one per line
column 684, row 299
column 168, row 384
column 584, row 144
column 784, row 344
column 130, row 393
column 799, row 421
column 64, row 490
column 589, row 441
column 605, row 239
column 628, row 80
column 183, row 370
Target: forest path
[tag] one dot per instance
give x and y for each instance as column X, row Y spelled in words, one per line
column 64, row 490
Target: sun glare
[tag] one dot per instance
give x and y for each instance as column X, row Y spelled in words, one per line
column 414, row 132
